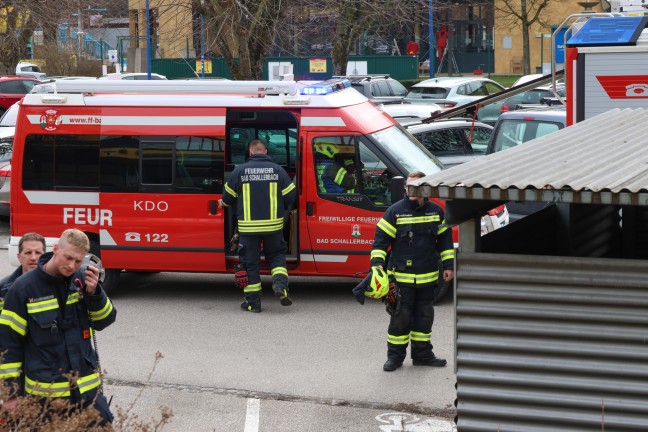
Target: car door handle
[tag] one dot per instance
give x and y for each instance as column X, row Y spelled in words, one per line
column 310, row 208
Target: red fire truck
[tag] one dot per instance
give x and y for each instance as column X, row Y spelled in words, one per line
column 140, row 167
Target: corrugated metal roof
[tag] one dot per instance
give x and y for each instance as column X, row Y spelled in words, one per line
column 602, row 160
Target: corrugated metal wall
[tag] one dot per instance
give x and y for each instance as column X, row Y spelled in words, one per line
column 551, row 343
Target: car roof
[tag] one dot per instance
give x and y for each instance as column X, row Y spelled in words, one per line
column 441, row 81
column 550, row 113
column 445, row 124
column 15, row 77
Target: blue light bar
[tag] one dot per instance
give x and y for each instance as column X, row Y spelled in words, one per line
column 609, row 31
column 326, row 87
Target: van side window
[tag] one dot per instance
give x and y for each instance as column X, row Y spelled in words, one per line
column 335, row 164
column 157, row 161
column 61, row 162
column 376, row 177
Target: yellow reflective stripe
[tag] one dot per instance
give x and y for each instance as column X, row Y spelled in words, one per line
column 103, row 313
column 88, row 382
column 267, row 222
column 260, row 225
column 377, row 253
column 273, row 199
column 42, row 306
column 1, row 304
column 421, row 337
column 388, row 228
column 279, row 270
column 339, row 176
column 57, row 389
column 397, row 340
column 15, row 321
column 252, row 288
column 10, row 370
column 72, row 298
column 231, row 191
column 442, row 229
column 247, row 211
column 288, row 189
column 225, row 204
column 418, row 219
column 447, row 254
column 418, row 279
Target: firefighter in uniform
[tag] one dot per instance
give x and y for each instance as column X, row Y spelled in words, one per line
column 332, row 177
column 46, row 328
column 30, row 247
column 415, row 230
column 263, row 192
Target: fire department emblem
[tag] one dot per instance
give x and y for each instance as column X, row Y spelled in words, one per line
column 50, row 120
column 356, row 231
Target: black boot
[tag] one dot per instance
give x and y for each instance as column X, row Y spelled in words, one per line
column 433, row 361
column 250, row 308
column 392, row 365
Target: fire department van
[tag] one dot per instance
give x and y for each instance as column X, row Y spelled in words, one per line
column 140, row 167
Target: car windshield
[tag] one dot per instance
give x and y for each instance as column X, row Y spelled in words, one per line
column 428, row 92
column 408, row 152
column 9, row 117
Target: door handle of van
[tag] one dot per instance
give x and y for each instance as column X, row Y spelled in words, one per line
column 213, row 207
column 310, row 208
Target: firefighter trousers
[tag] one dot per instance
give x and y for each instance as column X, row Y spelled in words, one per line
column 413, row 323
column 274, row 249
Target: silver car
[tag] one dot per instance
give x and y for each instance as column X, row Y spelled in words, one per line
column 7, row 130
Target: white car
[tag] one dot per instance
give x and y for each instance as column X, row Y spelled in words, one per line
column 7, row 131
column 407, row 114
column 133, row 76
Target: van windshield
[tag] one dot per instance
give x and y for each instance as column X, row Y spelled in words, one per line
column 408, row 152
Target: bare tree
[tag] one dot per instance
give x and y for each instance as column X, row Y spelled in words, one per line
column 523, row 14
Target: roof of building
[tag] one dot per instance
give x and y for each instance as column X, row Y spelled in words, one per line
column 602, row 160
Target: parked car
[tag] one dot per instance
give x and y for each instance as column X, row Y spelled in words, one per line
column 517, row 127
column 30, row 70
column 535, row 97
column 450, row 92
column 13, row 88
column 453, row 141
column 133, row 76
column 408, row 114
column 378, row 88
column 7, row 131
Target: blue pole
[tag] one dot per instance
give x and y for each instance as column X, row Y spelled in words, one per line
column 202, row 46
column 431, row 39
column 148, row 40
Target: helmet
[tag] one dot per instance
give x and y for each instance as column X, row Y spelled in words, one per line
column 379, row 285
column 327, row 149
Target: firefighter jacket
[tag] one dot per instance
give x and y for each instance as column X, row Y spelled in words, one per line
column 334, row 178
column 6, row 283
column 46, row 332
column 418, row 238
column 263, row 192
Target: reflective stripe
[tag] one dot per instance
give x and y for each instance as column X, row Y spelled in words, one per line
column 388, row 228
column 231, row 191
column 447, row 254
column 89, row 382
column 418, row 219
column 72, row 298
column 252, row 288
column 279, row 270
column 288, row 189
column 377, row 253
column 1, row 304
column 10, row 370
column 273, row 199
column 42, row 306
column 15, row 321
column 339, row 176
column 442, row 229
column 103, row 313
column 247, row 211
column 416, row 279
column 57, row 389
column 421, row 337
column 260, row 226
column 397, row 340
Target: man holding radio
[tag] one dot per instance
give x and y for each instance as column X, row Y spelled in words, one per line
column 263, row 192
column 46, row 328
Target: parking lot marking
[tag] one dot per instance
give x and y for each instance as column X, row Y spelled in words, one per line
column 252, row 415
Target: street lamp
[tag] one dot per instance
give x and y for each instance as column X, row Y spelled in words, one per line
column 431, row 38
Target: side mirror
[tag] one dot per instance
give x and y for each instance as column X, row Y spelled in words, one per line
column 397, row 187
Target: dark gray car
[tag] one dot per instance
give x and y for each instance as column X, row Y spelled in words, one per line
column 378, row 88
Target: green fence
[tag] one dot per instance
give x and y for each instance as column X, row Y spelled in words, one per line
column 398, row 67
